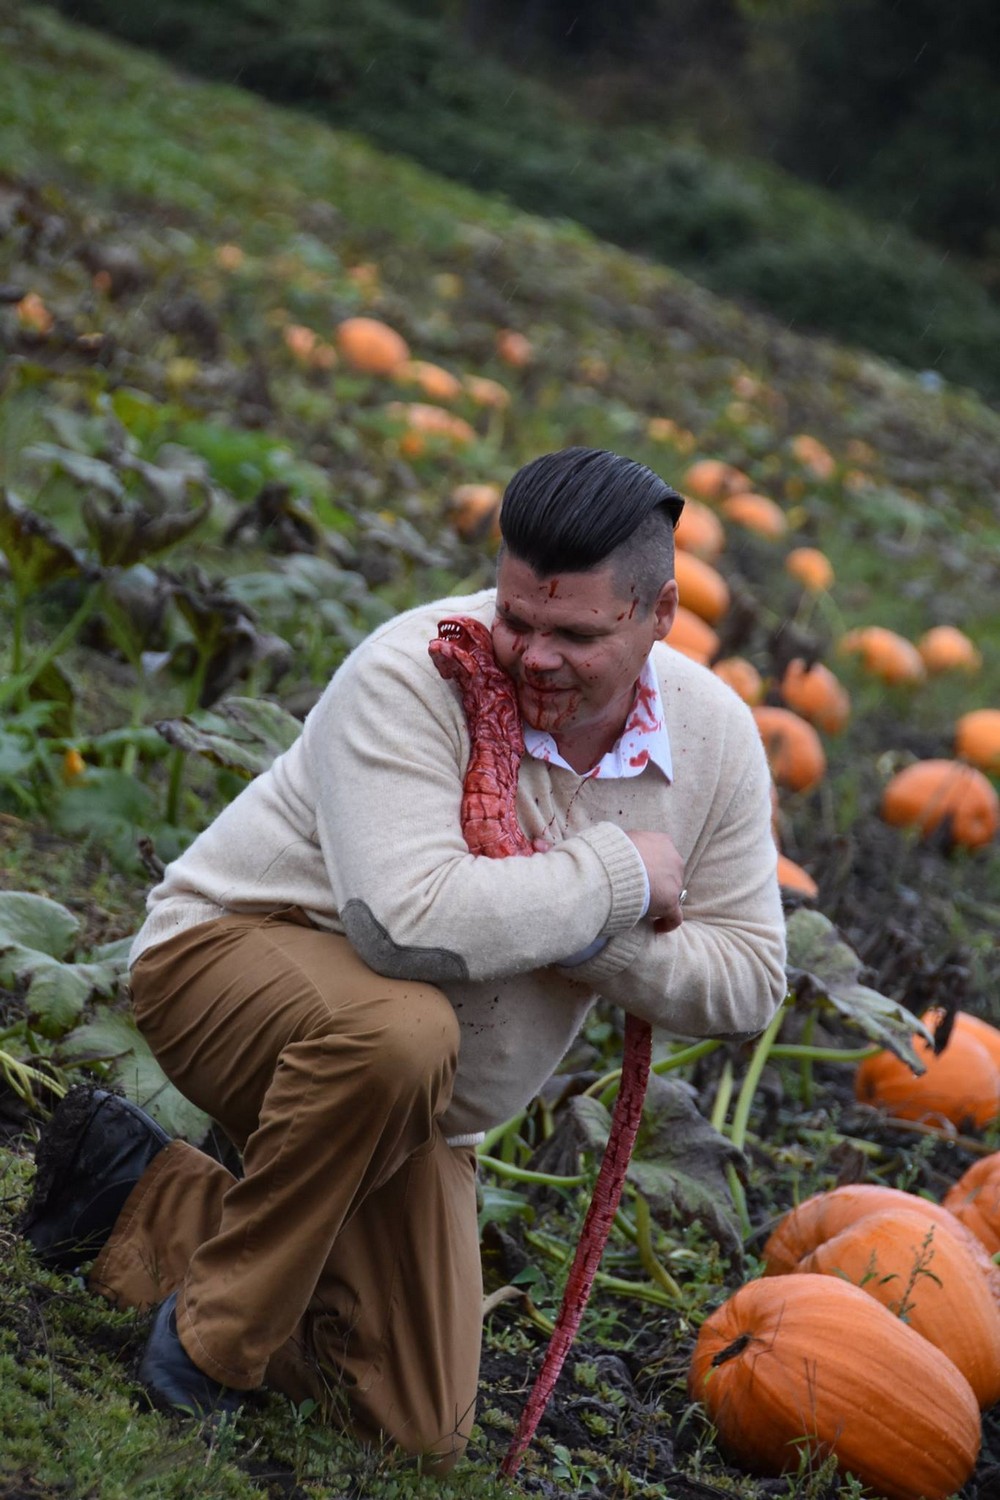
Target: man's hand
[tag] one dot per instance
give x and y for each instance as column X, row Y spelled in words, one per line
column 665, row 869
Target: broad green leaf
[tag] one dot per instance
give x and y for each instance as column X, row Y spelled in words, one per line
column 52, row 687
column 176, row 470
column 113, row 1037
column 142, row 737
column 57, row 992
column 823, row 971
column 15, row 757
column 109, row 806
column 115, row 953
column 35, row 935
column 498, row 1205
column 240, row 734
column 31, row 921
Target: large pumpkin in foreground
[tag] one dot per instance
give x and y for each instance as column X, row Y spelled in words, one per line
column 811, row 1362
column 923, row 1273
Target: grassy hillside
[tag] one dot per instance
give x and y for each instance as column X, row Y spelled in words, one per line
column 204, row 501
column 738, row 225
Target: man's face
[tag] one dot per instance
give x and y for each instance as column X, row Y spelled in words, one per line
column 574, row 645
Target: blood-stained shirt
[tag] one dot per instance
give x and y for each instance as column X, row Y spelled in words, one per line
column 644, row 740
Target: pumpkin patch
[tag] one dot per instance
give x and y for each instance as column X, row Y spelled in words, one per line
column 225, row 465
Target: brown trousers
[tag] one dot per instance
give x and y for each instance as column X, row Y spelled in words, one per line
column 344, row 1265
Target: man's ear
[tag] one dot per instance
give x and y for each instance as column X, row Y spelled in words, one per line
column 665, row 608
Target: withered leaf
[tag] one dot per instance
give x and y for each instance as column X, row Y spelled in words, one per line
column 823, row 971
column 679, row 1163
column 35, row 551
column 240, row 734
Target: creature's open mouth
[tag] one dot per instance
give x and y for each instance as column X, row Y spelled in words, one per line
column 450, row 629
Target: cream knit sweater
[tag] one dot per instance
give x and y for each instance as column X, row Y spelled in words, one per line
column 358, row 824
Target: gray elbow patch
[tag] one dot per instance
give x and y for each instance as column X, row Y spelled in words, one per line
column 371, row 942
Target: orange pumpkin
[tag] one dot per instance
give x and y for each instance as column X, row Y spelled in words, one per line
column 33, row 314
column 436, row 383
column 486, row 392
column 757, row 513
column 514, row 348
column 793, row 748
column 986, row 1035
column 711, row 479
column 977, row 739
column 422, row 420
column 926, row 1274
column 371, row 346
column 810, row 567
column 300, row 340
column 666, row 430
column 816, row 694
column 884, row 654
column 475, row 510
column 742, row 676
column 813, row 455
column 975, row 1201
column 824, row 1215
column 700, row 587
column 692, row 635
column 792, row 877
column 945, row 648
column 700, row 531
column 960, row 1084
column 812, row 1363
column 927, row 792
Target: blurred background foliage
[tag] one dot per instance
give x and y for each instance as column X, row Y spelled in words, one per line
column 832, row 161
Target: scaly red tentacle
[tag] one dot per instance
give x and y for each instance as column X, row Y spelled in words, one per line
column 463, row 652
column 625, row 1122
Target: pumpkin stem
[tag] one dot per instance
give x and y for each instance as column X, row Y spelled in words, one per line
column 732, row 1350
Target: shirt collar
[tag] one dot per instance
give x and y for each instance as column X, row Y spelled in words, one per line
column 644, row 740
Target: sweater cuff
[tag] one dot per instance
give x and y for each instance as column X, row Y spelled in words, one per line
column 626, row 872
column 615, row 956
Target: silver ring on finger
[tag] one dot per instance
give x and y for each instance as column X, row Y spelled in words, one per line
column 682, row 897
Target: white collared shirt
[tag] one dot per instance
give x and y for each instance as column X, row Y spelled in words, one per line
column 644, row 741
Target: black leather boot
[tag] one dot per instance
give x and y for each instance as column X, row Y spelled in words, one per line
column 89, row 1158
column 172, row 1378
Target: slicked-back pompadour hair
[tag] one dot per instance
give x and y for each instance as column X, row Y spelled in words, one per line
column 578, row 509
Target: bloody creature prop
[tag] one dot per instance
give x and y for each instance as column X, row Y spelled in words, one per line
column 463, row 652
